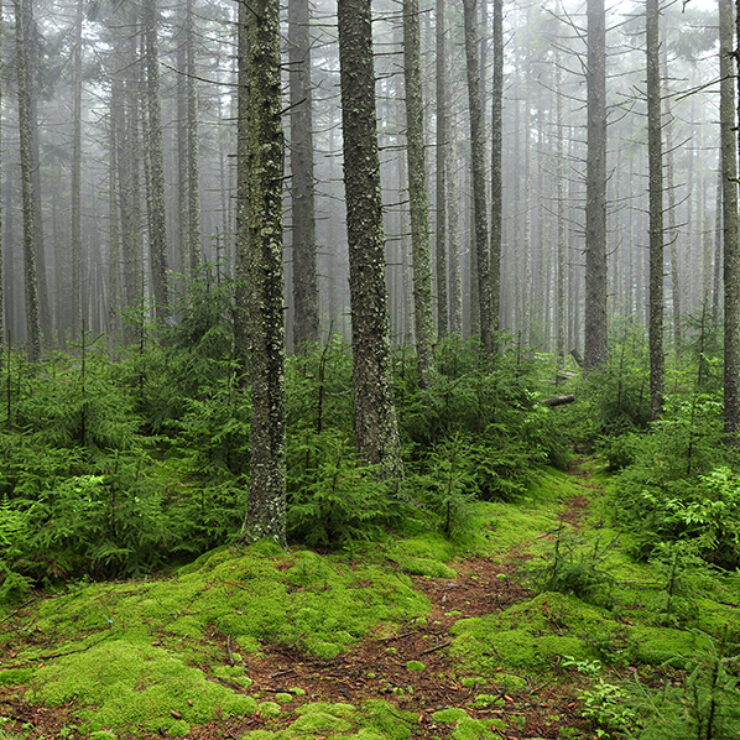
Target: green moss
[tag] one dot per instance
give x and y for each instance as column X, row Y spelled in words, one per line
column 257, row 594
column 532, row 634
column 424, row 555
column 469, row 681
column 268, row 709
column 415, row 665
column 467, row 728
column 132, row 684
column 283, row 697
column 374, row 720
column 658, row 645
column 449, row 716
column 15, row 676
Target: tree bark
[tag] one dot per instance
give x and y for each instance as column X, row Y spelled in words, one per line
column 730, row 221
column 420, row 251
column 30, row 32
column 265, row 515
column 305, row 287
column 497, row 98
column 158, row 227
column 194, row 249
column 478, row 176
column 375, row 416
column 77, row 181
column 442, row 155
column 595, row 350
column 33, row 327
column 241, row 298
column 655, row 159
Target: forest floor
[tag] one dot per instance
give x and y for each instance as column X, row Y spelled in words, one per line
column 412, row 639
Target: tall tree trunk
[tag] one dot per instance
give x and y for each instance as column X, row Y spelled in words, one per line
column 33, row 326
column 453, row 202
column 77, row 181
column 423, row 316
column 672, row 231
column 266, row 506
column 443, row 129
column 305, row 287
column 182, row 220
column 2, row 252
column 560, row 174
column 114, row 260
column 729, row 220
column 375, row 416
column 241, row 297
column 194, row 248
column 478, row 176
column 31, row 60
column 655, row 158
column 595, row 349
column 497, row 98
column 158, row 227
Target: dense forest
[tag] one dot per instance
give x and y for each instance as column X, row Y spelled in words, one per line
column 369, row 369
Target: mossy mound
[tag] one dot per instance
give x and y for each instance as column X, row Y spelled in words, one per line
column 132, row 648
column 467, row 728
column 532, row 634
column 374, row 720
column 133, row 684
column 256, row 594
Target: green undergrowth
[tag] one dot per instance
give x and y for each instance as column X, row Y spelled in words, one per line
column 132, row 653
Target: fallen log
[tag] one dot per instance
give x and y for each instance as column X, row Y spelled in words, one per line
column 558, row 400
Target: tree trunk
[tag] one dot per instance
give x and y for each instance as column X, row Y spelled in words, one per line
column 375, row 416
column 560, row 174
column 33, row 327
column 305, row 289
column 194, row 250
column 77, row 181
column 266, row 507
column 158, row 228
column 595, row 350
column 30, row 34
column 442, row 153
column 423, row 316
column 655, row 159
column 478, row 176
column 453, row 201
column 241, row 298
column 497, row 98
column 730, row 220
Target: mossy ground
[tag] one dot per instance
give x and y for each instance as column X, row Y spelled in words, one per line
column 427, row 636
